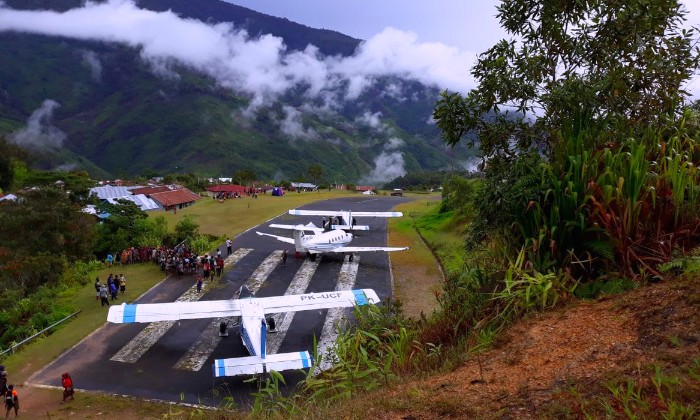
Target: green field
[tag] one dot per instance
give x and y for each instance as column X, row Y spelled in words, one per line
column 236, row 215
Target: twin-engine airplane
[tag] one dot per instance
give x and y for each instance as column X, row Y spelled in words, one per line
column 345, row 218
column 334, row 241
column 253, row 325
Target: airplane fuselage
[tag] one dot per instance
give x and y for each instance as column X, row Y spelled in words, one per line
column 324, row 242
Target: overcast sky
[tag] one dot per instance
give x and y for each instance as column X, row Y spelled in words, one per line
column 468, row 25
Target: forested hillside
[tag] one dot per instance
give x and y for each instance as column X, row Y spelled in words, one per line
column 105, row 108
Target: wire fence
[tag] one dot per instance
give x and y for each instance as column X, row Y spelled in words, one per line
column 12, row 348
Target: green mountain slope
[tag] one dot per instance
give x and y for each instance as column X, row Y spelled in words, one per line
column 123, row 118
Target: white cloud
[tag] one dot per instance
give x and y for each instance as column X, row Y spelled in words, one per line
column 261, row 67
column 293, row 126
column 39, row 132
column 374, row 121
column 92, row 62
column 388, row 165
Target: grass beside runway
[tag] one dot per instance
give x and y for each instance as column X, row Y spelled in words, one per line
column 234, row 216
column 417, row 276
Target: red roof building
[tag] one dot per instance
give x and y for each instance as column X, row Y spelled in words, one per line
column 175, row 198
column 151, row 190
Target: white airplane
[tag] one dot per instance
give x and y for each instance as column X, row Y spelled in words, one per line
column 253, row 325
column 333, row 241
column 345, row 217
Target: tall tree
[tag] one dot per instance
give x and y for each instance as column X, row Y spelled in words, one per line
column 315, row 172
column 244, row 176
column 620, row 61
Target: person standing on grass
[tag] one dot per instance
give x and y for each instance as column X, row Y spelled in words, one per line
column 103, row 295
column 97, row 288
column 110, row 260
column 113, row 289
column 122, row 283
column 11, row 400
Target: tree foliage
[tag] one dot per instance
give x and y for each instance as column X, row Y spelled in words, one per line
column 121, row 229
column 10, row 156
column 622, row 61
column 315, row 172
column 244, row 176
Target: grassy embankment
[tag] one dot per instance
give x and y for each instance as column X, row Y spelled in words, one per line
column 417, row 277
column 229, row 218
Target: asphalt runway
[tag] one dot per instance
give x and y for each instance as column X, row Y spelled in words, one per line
column 173, row 361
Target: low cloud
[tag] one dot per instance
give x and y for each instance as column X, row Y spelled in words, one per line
column 293, row 126
column 39, row 132
column 374, row 121
column 93, row 63
column 261, row 67
column 388, row 165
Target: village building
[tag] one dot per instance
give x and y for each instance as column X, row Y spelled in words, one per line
column 303, row 186
column 175, row 199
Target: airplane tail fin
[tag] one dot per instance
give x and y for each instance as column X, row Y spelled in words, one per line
column 298, row 234
column 252, row 365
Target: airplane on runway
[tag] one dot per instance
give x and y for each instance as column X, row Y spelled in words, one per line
column 345, row 218
column 253, row 326
column 324, row 242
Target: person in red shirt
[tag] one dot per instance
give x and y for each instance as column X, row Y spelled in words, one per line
column 67, row 383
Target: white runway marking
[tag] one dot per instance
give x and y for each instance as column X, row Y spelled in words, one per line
column 139, row 345
column 200, row 351
column 329, row 333
column 282, row 321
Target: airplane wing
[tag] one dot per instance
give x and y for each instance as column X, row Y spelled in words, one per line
column 298, row 212
column 377, row 214
column 309, row 226
column 279, row 238
column 173, row 311
column 369, row 248
column 323, row 300
column 252, row 365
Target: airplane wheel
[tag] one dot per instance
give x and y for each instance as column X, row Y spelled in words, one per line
column 313, row 257
column 351, row 257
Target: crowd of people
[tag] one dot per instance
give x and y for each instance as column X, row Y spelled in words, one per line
column 114, row 286
column 179, row 260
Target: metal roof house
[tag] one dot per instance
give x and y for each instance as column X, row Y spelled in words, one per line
column 304, row 186
column 140, row 200
column 111, row 191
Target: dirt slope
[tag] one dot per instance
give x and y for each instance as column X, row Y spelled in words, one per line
column 562, row 363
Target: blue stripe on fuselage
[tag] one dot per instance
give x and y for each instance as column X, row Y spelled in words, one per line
column 360, row 297
column 304, row 361
column 263, row 333
column 129, row 313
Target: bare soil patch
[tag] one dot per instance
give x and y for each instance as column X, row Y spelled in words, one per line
column 546, row 365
